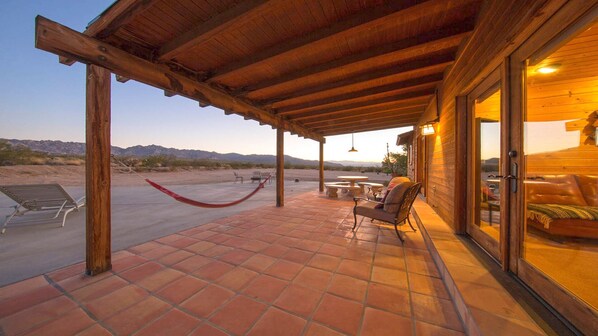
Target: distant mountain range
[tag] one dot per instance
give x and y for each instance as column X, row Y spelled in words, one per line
column 78, row 148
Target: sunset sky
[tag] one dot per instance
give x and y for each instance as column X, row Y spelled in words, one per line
column 41, row 99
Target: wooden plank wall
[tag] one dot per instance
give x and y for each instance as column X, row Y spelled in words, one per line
column 501, row 27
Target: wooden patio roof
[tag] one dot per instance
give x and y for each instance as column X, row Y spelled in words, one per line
column 313, row 68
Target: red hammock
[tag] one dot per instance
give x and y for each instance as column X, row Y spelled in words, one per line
column 202, row 204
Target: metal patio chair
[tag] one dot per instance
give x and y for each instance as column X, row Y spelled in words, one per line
column 40, row 197
column 395, row 209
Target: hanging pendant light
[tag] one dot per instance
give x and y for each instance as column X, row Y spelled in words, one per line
column 352, row 150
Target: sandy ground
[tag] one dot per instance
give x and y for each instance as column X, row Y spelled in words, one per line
column 75, row 175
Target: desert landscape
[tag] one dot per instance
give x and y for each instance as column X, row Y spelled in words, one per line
column 71, row 175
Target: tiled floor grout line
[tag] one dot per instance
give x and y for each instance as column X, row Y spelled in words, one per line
column 269, row 305
column 311, row 315
column 205, row 320
column 173, row 306
column 68, row 295
column 369, row 280
column 411, row 305
column 296, row 231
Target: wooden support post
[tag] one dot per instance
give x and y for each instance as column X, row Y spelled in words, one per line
column 279, row 167
column 97, row 171
column 321, row 166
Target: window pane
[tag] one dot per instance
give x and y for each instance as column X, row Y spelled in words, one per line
column 486, row 132
column 561, row 166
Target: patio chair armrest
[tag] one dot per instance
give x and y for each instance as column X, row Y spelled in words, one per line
column 81, row 202
column 357, row 199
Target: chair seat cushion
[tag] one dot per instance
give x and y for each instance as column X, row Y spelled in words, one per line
column 368, row 209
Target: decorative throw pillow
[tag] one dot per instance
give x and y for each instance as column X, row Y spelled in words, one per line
column 395, row 197
column 388, row 189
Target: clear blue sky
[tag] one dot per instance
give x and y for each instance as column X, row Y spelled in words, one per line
column 41, row 99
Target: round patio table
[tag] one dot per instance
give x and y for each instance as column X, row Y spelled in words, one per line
column 352, row 179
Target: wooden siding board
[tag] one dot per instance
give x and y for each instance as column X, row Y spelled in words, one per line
column 502, row 25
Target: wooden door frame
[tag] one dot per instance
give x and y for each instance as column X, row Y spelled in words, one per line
column 421, row 174
column 546, row 39
column 488, row 84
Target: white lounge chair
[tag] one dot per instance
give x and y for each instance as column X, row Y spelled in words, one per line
column 40, row 197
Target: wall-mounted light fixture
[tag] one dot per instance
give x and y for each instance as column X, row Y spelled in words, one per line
column 427, row 129
column 352, row 150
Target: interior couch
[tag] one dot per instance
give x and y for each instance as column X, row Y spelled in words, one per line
column 564, row 205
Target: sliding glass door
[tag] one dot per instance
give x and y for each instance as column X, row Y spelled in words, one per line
column 555, row 87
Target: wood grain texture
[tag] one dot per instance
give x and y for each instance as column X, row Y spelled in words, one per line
column 501, row 27
column 235, row 16
column 97, row 171
column 61, row 40
column 321, row 168
column 279, row 167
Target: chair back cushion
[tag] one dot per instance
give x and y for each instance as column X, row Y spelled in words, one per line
column 588, row 184
column 555, row 189
column 395, row 197
column 393, row 183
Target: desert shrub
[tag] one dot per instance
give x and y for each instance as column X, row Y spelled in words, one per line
column 20, row 155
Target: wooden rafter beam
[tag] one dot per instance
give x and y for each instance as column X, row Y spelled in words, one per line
column 368, row 128
column 400, row 11
column 56, row 38
column 405, row 105
column 121, row 79
column 394, row 98
column 369, row 121
column 410, row 84
column 433, row 65
column 237, row 15
column 117, row 15
column 436, row 41
column 359, row 118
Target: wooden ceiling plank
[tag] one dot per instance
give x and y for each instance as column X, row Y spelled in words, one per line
column 437, row 64
column 240, row 14
column 364, row 113
column 359, row 117
column 58, row 39
column 368, row 121
column 410, row 103
column 394, row 98
column 366, row 128
column 117, row 15
column 353, row 25
column 443, row 38
column 403, row 85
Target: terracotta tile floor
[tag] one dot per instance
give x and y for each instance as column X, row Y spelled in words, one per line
column 297, row 270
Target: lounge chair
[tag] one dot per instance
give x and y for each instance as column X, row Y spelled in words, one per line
column 40, row 197
column 238, row 177
column 395, row 208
